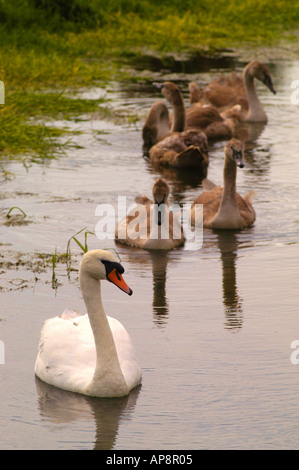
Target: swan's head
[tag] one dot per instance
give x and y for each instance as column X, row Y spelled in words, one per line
column 161, row 191
column 170, row 91
column 102, row 264
column 261, row 72
column 234, row 151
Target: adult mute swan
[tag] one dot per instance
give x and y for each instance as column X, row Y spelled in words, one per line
column 224, row 208
column 158, row 227
column 90, row 354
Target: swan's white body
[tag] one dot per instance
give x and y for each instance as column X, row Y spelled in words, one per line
column 90, row 354
column 67, row 355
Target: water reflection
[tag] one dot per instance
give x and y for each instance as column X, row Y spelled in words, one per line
column 159, row 260
column 160, row 304
column 258, row 158
column 228, row 245
column 179, row 179
column 187, row 64
column 59, row 407
column 251, row 132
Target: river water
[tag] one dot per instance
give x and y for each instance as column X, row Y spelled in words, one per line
column 213, row 326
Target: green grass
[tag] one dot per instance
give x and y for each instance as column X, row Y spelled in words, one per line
column 20, row 137
column 62, row 45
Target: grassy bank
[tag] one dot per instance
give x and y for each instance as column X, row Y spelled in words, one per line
column 61, row 45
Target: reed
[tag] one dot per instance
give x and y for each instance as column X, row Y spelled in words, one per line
column 8, row 215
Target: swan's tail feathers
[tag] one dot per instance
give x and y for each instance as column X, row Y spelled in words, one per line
column 249, row 197
column 195, row 93
column 207, row 184
column 190, row 158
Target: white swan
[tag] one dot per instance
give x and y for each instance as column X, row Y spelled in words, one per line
column 90, row 354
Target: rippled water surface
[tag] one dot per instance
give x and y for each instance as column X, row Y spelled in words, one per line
column 213, row 327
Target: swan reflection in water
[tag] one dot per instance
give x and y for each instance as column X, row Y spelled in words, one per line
column 228, row 245
column 158, row 259
column 160, row 304
column 60, row 407
column 180, row 180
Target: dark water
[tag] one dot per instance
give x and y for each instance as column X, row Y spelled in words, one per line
column 213, row 327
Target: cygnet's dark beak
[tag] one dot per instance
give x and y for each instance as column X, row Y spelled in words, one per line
column 159, row 210
column 161, row 201
column 238, row 156
column 268, row 82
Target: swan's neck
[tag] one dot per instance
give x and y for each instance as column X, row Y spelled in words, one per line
column 178, row 107
column 108, row 378
column 163, row 127
column 229, row 181
column 228, row 209
column 255, row 109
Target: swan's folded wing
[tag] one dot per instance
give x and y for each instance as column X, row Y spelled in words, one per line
column 66, row 354
column 143, row 200
column 192, row 157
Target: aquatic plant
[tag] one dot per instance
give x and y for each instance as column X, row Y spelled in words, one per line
column 54, row 278
column 13, row 208
column 84, row 247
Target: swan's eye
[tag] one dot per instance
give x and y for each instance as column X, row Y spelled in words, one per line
column 111, row 265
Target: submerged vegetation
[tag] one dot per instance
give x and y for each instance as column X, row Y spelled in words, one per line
column 61, row 45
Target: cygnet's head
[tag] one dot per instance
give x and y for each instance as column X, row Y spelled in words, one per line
column 261, row 72
column 170, row 91
column 234, row 151
column 161, row 191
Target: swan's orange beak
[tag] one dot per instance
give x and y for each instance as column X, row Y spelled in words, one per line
column 117, row 279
